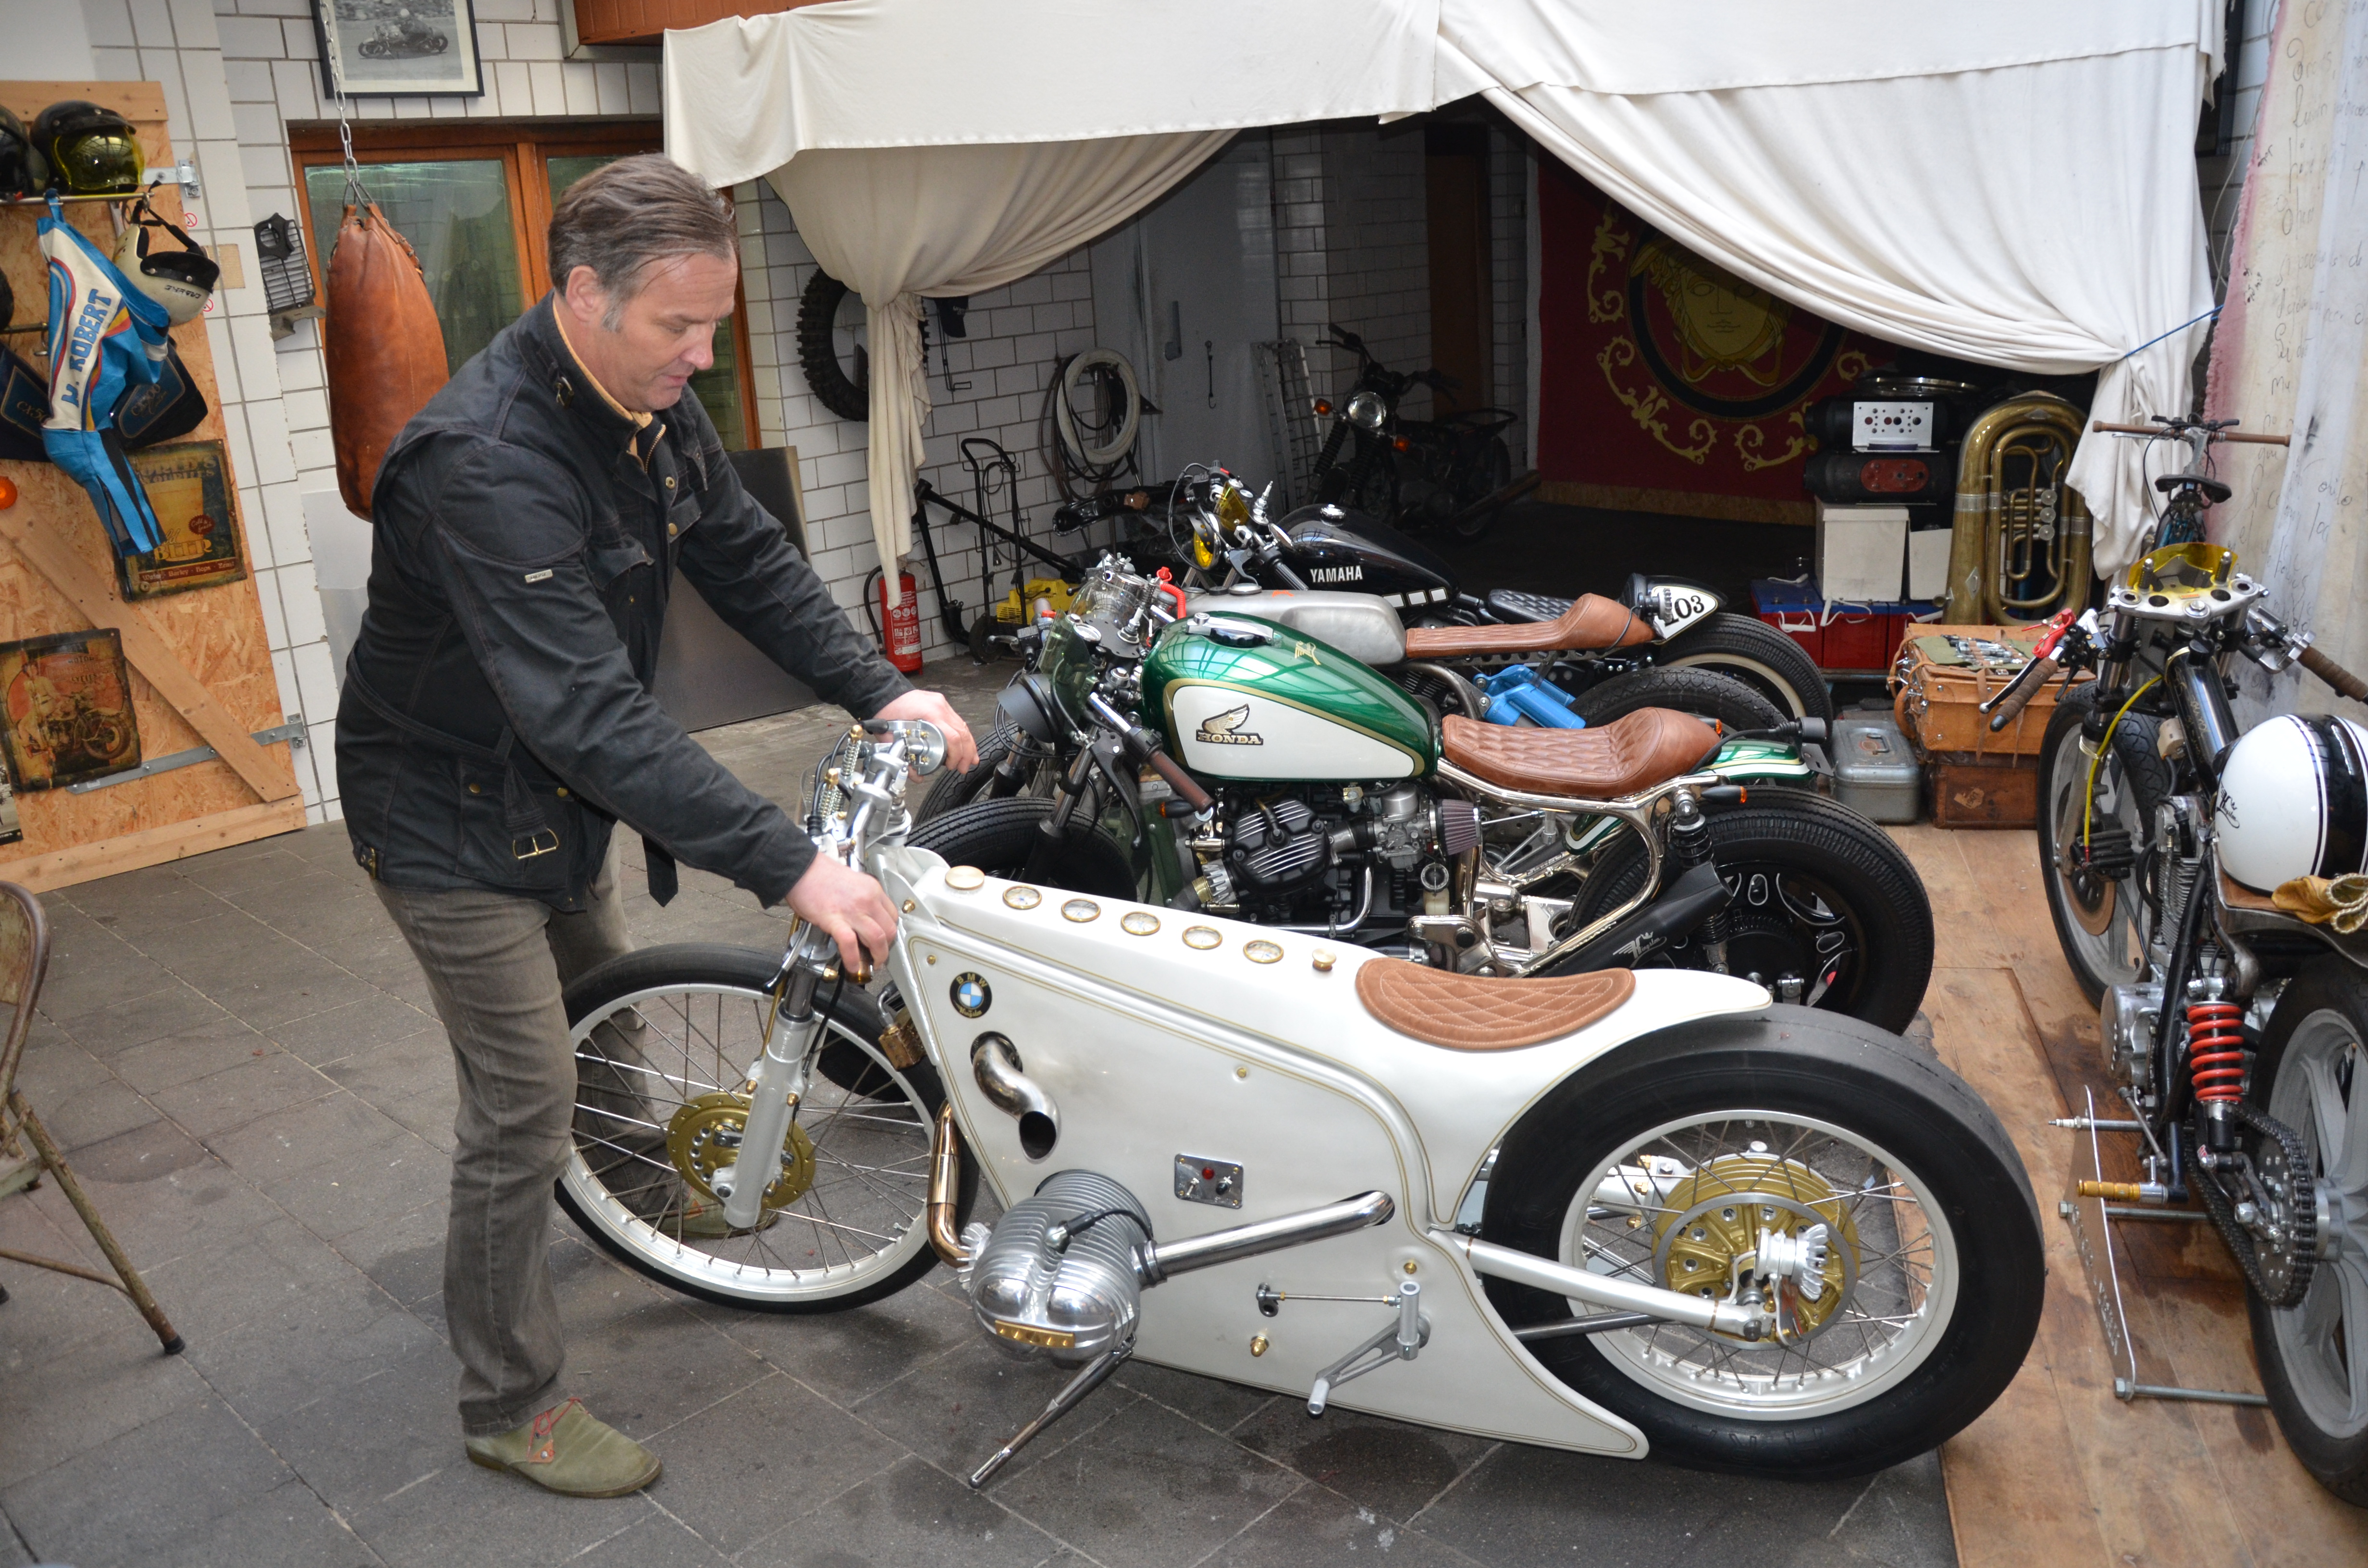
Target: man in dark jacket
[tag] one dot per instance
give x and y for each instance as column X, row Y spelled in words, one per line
column 497, row 723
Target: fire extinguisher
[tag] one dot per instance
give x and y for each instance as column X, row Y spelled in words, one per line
column 904, row 622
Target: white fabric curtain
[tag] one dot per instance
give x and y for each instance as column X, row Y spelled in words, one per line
column 2023, row 196
column 897, row 224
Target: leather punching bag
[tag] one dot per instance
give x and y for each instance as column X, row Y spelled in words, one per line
column 385, row 348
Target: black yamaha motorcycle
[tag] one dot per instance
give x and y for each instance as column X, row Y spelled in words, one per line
column 1454, row 473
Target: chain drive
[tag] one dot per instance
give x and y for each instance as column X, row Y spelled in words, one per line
column 2286, row 1278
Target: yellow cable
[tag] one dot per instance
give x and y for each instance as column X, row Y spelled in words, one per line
column 2088, row 802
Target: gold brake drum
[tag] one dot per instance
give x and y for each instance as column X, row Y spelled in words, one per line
column 704, row 1136
column 1716, row 1215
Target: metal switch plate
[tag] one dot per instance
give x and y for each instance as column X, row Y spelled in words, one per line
column 1891, row 427
column 1217, row 1182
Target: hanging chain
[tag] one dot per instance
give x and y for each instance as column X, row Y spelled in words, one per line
column 356, row 194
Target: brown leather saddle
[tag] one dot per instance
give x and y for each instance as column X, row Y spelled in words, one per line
column 1599, row 763
column 1469, row 1012
column 1592, row 622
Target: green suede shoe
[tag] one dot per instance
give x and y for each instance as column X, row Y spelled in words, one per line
column 566, row 1450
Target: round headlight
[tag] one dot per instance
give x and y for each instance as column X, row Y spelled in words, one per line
column 1366, row 411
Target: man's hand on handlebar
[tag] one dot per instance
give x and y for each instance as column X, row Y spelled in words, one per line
column 962, row 751
column 848, row 906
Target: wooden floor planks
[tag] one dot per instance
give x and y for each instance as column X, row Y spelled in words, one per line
column 2059, row 1473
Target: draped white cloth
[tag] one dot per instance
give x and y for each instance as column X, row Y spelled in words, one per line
column 2012, row 183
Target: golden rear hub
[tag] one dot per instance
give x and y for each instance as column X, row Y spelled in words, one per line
column 1715, row 1216
column 704, row 1137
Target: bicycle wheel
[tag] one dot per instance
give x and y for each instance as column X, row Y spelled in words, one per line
column 664, row 1039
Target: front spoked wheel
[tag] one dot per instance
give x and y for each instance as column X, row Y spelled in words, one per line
column 664, row 1042
column 1691, row 1159
column 2096, row 812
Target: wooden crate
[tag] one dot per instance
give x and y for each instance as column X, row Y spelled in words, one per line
column 1939, row 706
column 1983, row 791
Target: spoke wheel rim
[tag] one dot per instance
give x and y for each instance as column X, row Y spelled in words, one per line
column 2105, row 918
column 2322, row 1093
column 859, row 1222
column 1902, row 1303
column 1778, row 929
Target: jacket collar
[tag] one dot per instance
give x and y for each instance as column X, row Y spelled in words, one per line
column 580, row 393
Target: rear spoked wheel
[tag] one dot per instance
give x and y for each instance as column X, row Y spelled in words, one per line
column 1676, row 1160
column 664, row 1039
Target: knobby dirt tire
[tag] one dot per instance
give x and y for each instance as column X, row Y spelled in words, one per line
column 1790, row 1062
column 819, row 349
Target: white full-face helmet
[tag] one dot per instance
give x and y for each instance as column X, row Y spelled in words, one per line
column 2293, row 801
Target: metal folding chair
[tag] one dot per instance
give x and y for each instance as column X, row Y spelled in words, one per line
column 24, row 962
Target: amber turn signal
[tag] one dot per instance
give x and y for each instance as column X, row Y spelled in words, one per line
column 7, row 492
column 1322, row 407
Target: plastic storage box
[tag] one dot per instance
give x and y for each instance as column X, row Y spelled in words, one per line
column 1875, row 773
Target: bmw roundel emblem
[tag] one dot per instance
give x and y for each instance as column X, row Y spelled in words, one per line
column 971, row 995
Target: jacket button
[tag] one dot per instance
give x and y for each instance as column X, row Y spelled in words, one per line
column 476, row 789
column 562, row 792
column 669, row 479
column 672, row 529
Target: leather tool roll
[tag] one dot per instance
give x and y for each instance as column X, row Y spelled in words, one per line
column 385, row 348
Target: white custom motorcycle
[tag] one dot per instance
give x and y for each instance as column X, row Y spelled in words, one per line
column 1613, row 1212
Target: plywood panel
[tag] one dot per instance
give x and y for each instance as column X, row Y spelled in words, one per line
column 2059, row 1471
column 216, row 634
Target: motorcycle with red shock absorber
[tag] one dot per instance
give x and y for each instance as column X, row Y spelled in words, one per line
column 2233, row 1016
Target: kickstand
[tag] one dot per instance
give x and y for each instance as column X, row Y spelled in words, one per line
column 1088, row 1378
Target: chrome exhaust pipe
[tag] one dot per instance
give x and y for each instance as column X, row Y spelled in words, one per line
column 995, row 1062
column 1162, row 1259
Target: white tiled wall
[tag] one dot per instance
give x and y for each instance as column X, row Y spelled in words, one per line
column 1351, row 235
column 2222, row 177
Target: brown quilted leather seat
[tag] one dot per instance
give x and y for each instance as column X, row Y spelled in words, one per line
column 1598, row 762
column 1592, row 622
column 1467, row 1012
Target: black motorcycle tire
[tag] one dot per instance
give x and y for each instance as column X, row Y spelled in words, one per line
column 1794, row 1062
column 954, row 790
column 1852, row 862
column 1755, row 654
column 999, row 836
column 2338, row 1460
column 2150, row 782
column 704, row 964
column 1705, row 694
column 819, row 349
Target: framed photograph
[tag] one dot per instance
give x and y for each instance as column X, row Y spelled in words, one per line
column 65, row 710
column 189, row 487
column 406, row 48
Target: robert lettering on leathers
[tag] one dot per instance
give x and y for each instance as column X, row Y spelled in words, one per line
column 497, row 725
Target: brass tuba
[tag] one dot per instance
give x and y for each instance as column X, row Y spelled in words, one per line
column 2019, row 550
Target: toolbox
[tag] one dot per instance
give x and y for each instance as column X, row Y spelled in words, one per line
column 1939, row 687
column 1875, row 773
column 1983, row 791
column 1840, row 636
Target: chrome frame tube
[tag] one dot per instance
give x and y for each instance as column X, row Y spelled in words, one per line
column 1600, row 1289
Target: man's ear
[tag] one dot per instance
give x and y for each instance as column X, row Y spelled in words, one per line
column 587, row 300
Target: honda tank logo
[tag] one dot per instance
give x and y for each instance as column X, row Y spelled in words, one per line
column 1225, row 729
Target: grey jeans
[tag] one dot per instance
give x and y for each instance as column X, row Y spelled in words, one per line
column 495, row 965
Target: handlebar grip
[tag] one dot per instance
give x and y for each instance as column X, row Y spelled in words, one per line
column 2334, row 674
column 1187, row 789
column 2018, row 697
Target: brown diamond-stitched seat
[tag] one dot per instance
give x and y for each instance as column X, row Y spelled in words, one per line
column 1598, row 762
column 1469, row 1012
column 1591, row 621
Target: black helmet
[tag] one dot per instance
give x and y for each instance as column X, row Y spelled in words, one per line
column 22, row 170
column 92, row 151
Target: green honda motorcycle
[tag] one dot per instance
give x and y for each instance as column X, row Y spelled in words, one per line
column 1245, row 756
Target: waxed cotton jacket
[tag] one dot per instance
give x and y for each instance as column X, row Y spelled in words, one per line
column 496, row 718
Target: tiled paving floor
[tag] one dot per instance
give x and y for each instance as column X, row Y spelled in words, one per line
column 238, row 1054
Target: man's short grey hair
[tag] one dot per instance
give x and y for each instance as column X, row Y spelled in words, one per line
column 624, row 217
